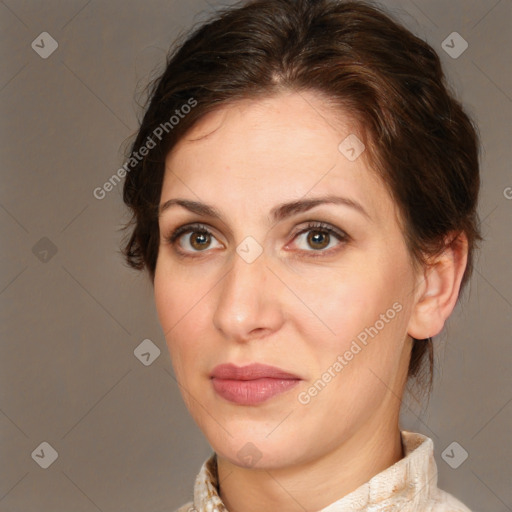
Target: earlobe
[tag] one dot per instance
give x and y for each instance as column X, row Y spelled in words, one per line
column 440, row 288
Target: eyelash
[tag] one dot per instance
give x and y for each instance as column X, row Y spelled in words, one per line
column 311, row 226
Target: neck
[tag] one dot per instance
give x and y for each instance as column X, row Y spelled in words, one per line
column 316, row 484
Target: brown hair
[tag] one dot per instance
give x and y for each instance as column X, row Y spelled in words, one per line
column 418, row 137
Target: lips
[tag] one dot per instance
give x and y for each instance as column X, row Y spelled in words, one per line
column 252, row 384
column 251, row 372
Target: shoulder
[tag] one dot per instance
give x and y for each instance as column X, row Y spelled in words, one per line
column 188, row 507
column 422, row 470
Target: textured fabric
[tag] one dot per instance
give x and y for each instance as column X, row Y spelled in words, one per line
column 410, row 485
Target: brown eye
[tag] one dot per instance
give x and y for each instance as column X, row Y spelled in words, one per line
column 318, row 239
column 200, row 240
column 190, row 239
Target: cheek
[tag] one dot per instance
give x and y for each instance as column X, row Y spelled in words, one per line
column 166, row 302
column 363, row 301
column 177, row 294
column 346, row 300
column 179, row 309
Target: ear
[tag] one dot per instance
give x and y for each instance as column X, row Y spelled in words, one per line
column 438, row 289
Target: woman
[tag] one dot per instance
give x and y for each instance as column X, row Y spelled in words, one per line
column 303, row 189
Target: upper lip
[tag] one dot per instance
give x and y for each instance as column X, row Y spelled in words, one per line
column 250, row 372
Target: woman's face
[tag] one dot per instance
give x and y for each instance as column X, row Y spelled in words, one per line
column 272, row 285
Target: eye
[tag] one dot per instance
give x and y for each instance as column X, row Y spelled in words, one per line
column 321, row 238
column 199, row 238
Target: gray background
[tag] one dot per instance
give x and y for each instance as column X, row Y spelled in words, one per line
column 70, row 321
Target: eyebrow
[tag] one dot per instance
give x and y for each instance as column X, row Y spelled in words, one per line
column 277, row 213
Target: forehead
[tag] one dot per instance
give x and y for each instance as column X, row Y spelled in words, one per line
column 292, row 118
column 285, row 146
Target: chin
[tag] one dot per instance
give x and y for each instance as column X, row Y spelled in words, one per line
column 255, row 449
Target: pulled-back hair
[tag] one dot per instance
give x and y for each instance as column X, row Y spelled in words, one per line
column 418, row 138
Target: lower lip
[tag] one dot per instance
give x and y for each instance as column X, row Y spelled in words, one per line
column 252, row 392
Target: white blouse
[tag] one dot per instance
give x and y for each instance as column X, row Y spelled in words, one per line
column 409, row 485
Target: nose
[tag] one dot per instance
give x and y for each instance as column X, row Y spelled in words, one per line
column 248, row 305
